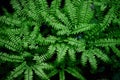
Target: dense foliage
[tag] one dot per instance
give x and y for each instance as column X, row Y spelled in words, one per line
column 40, row 40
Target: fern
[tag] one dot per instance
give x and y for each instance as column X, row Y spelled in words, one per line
column 55, row 5
column 28, row 74
column 61, row 51
column 75, row 73
column 17, row 71
column 116, row 50
column 10, row 58
column 28, row 68
column 69, row 7
column 81, row 32
column 107, row 42
column 86, row 13
column 89, row 55
column 62, row 75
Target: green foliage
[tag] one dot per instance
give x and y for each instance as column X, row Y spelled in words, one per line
column 81, row 31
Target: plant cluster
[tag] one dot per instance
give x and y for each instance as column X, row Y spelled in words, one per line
column 64, row 36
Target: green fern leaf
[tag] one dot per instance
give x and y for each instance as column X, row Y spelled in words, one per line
column 62, row 75
column 83, row 27
column 62, row 17
column 101, row 55
column 71, row 53
column 77, row 43
column 108, row 18
column 75, row 73
column 31, row 10
column 16, row 5
column 10, row 58
column 41, row 58
column 28, row 74
column 51, row 49
column 86, row 13
column 63, row 32
column 92, row 60
column 106, row 42
column 45, row 66
column 71, row 11
column 43, row 3
column 51, row 39
column 10, row 20
column 17, row 71
column 54, row 5
column 84, row 58
column 61, row 52
column 38, row 70
column 53, row 72
column 116, row 50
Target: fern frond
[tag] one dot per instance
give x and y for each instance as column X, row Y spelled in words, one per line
column 53, row 72
column 51, row 49
column 75, row 73
column 41, row 40
column 106, row 42
column 38, row 70
column 62, row 75
column 23, row 3
column 55, row 5
column 17, row 71
column 10, row 45
column 101, row 55
column 114, row 33
column 31, row 5
column 77, row 43
column 31, row 10
column 116, row 20
column 19, row 8
column 41, row 58
column 58, row 26
column 61, row 52
column 71, row 11
column 108, row 18
column 32, row 37
column 106, row 21
column 71, row 53
column 10, row 58
column 52, row 21
column 28, row 74
column 84, row 58
column 86, row 13
column 16, row 5
column 63, row 17
column 89, row 55
column 45, row 66
column 44, row 5
column 10, row 20
column 51, row 39
column 64, row 32
column 115, row 50
column 92, row 60
column 83, row 27
column 12, row 42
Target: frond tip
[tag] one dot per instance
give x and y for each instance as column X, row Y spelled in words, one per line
column 38, row 70
column 17, row 71
column 90, row 55
column 28, row 74
column 75, row 73
column 106, row 42
column 10, row 58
